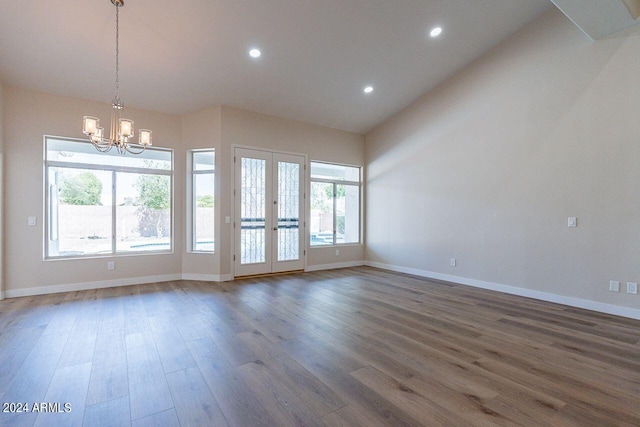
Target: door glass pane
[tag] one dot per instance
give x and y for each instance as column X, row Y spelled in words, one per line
column 143, row 212
column 321, row 213
column 79, row 212
column 347, row 213
column 252, row 211
column 288, row 211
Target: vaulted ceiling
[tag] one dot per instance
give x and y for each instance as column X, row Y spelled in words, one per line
column 317, row 56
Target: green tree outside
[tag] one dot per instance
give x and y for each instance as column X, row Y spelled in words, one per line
column 340, row 191
column 153, row 191
column 205, row 201
column 154, row 199
column 83, row 189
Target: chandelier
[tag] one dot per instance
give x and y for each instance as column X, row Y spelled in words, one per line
column 121, row 130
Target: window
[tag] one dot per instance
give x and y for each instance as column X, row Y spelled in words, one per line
column 106, row 203
column 335, row 204
column 202, row 165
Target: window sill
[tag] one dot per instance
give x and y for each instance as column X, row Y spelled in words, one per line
column 103, row 256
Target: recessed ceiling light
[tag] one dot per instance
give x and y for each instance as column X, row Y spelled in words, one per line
column 368, row 89
column 255, row 53
column 435, row 32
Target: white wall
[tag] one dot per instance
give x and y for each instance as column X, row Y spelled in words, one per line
column 487, row 168
column 28, row 116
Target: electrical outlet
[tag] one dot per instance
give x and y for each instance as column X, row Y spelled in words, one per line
column 337, row 252
column 632, row 288
column 614, row 286
column 452, row 262
column 111, row 265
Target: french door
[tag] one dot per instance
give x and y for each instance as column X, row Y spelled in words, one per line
column 269, row 212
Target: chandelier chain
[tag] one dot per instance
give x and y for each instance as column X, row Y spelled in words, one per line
column 117, row 55
column 121, row 131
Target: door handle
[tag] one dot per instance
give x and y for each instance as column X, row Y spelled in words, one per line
column 275, row 228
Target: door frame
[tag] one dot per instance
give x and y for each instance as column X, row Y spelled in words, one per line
column 305, row 203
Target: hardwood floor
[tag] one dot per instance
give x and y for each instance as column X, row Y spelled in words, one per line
column 349, row 347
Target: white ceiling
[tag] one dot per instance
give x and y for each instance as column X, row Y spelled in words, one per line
column 318, row 55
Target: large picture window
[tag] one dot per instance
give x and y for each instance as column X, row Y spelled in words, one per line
column 335, row 204
column 202, row 165
column 106, row 203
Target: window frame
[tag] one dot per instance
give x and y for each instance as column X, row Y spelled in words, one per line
column 192, row 205
column 114, row 170
column 335, row 183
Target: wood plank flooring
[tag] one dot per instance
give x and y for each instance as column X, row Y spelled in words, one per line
column 350, row 347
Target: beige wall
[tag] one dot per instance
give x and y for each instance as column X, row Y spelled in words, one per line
column 223, row 128
column 30, row 115
column 1, row 191
column 247, row 129
column 1, row 118
column 201, row 129
column 487, row 168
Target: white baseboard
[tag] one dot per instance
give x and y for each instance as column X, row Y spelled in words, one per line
column 1, row 295
column 54, row 289
column 207, row 277
column 334, row 265
column 514, row 290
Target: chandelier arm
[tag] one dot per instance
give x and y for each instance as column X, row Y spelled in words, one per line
column 103, row 146
column 129, row 150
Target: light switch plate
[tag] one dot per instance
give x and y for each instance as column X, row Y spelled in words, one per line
column 31, row 221
column 614, row 286
column 572, row 221
column 227, row 220
column 632, row 288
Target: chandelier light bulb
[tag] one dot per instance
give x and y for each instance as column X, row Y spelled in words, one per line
column 145, row 137
column 89, row 125
column 126, row 128
column 98, row 135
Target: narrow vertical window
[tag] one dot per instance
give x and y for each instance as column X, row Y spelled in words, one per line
column 202, row 200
